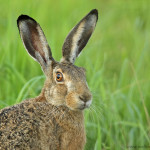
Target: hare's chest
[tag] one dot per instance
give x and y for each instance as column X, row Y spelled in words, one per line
column 48, row 136
column 59, row 137
column 73, row 139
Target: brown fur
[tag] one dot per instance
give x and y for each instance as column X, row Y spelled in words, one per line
column 40, row 126
column 54, row 120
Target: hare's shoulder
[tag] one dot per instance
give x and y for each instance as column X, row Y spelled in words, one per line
column 15, row 111
column 24, row 112
column 17, row 117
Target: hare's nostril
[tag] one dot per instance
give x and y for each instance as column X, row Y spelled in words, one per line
column 85, row 104
column 85, row 98
column 82, row 98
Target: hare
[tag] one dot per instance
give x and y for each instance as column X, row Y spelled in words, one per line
column 54, row 120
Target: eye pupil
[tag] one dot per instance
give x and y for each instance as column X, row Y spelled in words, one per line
column 59, row 76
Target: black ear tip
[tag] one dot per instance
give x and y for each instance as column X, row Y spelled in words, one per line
column 23, row 18
column 95, row 12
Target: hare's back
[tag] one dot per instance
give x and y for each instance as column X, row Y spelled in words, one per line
column 26, row 126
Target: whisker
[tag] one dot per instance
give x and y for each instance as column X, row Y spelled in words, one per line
column 96, row 112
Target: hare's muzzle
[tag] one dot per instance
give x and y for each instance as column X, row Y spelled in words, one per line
column 85, row 101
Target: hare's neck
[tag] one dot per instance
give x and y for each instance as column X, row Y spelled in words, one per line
column 62, row 114
column 69, row 120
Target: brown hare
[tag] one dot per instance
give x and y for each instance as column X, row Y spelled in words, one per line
column 53, row 120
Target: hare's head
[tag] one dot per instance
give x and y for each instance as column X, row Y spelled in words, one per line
column 65, row 83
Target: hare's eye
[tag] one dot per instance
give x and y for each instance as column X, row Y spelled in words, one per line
column 59, row 76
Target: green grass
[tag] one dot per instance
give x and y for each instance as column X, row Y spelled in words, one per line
column 117, row 60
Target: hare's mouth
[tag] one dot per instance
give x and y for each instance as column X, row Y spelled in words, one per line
column 84, row 105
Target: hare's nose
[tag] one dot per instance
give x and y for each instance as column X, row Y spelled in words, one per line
column 86, row 101
column 86, row 97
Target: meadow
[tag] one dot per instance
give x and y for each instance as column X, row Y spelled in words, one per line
column 117, row 60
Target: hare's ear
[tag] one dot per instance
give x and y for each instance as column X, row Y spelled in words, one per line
column 34, row 40
column 79, row 36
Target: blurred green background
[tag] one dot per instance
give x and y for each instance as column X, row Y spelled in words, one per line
column 117, row 60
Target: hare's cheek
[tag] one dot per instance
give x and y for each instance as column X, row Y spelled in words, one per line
column 58, row 93
column 72, row 101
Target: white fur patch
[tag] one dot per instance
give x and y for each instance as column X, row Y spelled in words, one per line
column 69, row 84
column 75, row 40
column 88, row 103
